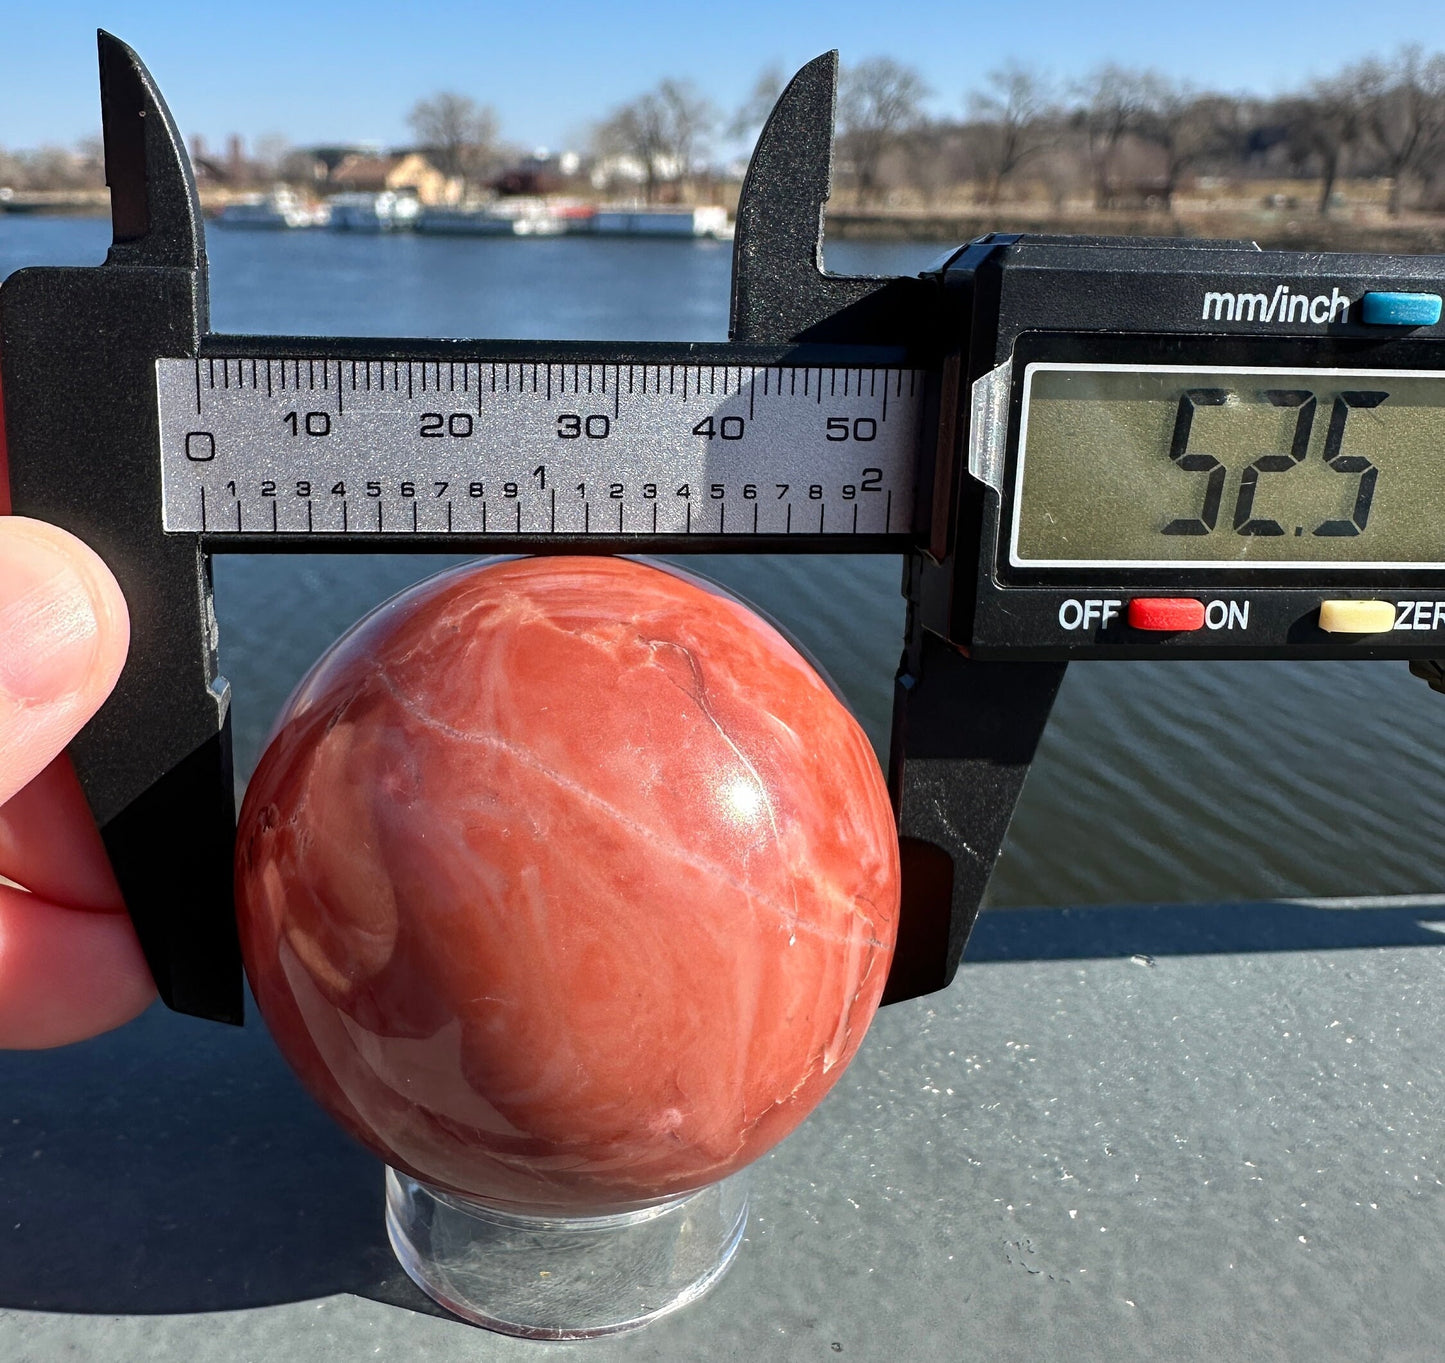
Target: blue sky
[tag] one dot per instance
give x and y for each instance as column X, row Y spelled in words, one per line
column 320, row 72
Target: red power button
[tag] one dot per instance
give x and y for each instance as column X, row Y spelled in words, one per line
column 1166, row 613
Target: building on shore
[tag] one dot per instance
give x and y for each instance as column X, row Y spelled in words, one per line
column 402, row 173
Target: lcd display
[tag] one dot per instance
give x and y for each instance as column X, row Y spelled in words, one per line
column 1163, row 466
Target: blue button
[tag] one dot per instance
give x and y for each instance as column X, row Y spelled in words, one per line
column 1401, row 309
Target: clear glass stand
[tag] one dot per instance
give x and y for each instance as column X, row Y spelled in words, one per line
column 559, row 1277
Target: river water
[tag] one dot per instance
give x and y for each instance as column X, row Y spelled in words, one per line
column 1155, row 781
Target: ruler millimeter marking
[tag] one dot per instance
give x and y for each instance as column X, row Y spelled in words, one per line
column 326, row 446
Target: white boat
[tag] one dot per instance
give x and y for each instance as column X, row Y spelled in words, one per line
column 384, row 212
column 531, row 216
column 281, row 208
column 521, row 217
column 662, row 222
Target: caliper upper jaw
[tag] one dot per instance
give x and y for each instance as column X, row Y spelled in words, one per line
column 780, row 291
column 155, row 213
column 79, row 346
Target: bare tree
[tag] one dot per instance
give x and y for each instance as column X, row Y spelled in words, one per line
column 1184, row 126
column 753, row 112
column 53, row 167
column 662, row 131
column 459, row 133
column 1323, row 125
column 880, row 100
column 271, row 153
column 1404, row 113
column 1111, row 101
column 936, row 155
column 1015, row 113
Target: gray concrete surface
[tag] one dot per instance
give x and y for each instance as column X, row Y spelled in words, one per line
column 1196, row 1132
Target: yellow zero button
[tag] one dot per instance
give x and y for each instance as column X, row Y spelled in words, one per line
column 1357, row 617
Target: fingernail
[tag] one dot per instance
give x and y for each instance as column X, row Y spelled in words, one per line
column 48, row 626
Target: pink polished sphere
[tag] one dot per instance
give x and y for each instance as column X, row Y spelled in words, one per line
column 567, row 883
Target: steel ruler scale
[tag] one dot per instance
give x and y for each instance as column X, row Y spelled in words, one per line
column 328, row 446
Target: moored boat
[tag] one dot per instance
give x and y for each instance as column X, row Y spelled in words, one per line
column 462, row 222
column 662, row 222
column 282, row 208
column 384, row 212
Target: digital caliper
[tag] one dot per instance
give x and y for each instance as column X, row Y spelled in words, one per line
column 1081, row 447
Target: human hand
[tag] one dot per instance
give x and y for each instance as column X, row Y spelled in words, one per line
column 70, row 965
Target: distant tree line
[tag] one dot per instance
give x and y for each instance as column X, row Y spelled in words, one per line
column 1121, row 137
column 1131, row 138
column 1125, row 137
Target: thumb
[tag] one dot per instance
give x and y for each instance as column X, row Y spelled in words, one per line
column 64, row 631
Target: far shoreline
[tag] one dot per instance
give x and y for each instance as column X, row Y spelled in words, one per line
column 1271, row 229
